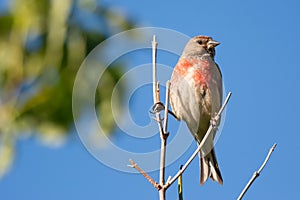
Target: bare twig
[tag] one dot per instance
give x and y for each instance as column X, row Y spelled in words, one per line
column 156, row 88
column 163, row 136
column 154, row 47
column 257, row 173
column 156, row 99
column 166, row 107
column 208, row 132
column 156, row 85
column 217, row 117
column 134, row 165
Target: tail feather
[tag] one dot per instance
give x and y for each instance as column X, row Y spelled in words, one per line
column 210, row 168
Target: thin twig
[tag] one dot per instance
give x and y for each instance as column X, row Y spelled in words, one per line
column 223, row 106
column 208, row 132
column 156, row 85
column 257, row 173
column 154, row 47
column 167, row 107
column 163, row 136
column 134, row 165
column 156, row 99
column 162, row 191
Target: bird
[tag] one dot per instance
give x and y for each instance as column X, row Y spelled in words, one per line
column 196, row 93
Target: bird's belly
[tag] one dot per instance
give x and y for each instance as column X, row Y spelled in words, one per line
column 186, row 105
column 193, row 106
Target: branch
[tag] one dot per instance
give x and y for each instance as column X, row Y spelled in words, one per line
column 166, row 107
column 211, row 127
column 162, row 129
column 156, row 90
column 164, row 136
column 257, row 173
column 134, row 165
column 154, row 46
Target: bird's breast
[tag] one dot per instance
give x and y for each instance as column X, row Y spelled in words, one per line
column 194, row 69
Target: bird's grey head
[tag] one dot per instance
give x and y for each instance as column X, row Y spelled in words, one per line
column 200, row 45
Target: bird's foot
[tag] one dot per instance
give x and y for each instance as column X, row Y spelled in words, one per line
column 215, row 121
column 158, row 107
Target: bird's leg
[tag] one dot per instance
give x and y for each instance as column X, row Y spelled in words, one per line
column 173, row 114
column 159, row 106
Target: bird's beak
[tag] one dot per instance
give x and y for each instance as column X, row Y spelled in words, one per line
column 212, row 44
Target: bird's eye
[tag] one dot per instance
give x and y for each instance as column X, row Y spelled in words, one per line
column 200, row 42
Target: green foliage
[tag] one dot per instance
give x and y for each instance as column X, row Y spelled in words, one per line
column 42, row 44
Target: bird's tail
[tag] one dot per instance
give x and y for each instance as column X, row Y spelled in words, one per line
column 210, row 168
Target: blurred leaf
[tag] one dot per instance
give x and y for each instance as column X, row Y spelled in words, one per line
column 6, row 157
column 103, row 99
column 42, row 45
column 51, row 134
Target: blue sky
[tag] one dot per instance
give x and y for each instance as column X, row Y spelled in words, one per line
column 259, row 60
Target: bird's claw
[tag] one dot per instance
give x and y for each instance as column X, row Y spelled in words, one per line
column 157, row 107
column 215, row 121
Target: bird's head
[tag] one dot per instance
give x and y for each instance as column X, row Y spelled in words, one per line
column 200, row 45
